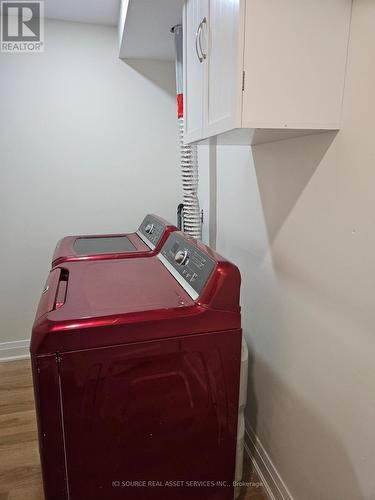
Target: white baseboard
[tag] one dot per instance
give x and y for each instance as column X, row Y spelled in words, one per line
column 12, row 351
column 275, row 487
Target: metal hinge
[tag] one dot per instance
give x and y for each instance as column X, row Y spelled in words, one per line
column 243, row 81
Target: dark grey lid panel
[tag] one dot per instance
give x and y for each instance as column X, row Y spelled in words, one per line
column 152, row 229
column 108, row 244
column 192, row 264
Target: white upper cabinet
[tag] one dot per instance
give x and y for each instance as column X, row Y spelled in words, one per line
column 195, row 43
column 264, row 69
column 224, row 67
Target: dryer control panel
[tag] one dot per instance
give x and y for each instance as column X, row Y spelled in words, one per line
column 189, row 265
column 151, row 230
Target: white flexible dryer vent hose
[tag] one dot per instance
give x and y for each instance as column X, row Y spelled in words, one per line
column 189, row 170
column 189, row 160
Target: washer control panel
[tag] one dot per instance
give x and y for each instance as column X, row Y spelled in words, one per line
column 151, row 230
column 188, row 264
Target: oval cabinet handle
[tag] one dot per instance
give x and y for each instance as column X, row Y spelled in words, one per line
column 197, row 36
column 203, row 22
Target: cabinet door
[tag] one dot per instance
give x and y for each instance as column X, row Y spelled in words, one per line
column 194, row 68
column 224, row 68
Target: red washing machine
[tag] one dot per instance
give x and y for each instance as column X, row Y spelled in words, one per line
column 146, row 241
column 136, row 367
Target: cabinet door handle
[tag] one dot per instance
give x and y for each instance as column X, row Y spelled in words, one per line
column 204, row 21
column 197, row 35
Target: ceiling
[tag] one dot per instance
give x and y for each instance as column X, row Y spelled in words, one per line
column 84, row 11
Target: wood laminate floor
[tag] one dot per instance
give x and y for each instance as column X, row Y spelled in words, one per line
column 20, row 477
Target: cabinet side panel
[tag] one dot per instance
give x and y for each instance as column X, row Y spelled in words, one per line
column 295, row 61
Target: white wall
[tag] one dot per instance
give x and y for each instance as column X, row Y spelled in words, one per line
column 207, row 189
column 298, row 218
column 87, row 144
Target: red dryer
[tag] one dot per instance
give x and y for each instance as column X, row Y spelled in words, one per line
column 146, row 241
column 136, row 367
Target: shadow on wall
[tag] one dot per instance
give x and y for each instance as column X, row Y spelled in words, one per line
column 283, row 172
column 252, row 402
column 303, row 454
column 161, row 73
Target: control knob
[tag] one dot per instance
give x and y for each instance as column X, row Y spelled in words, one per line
column 181, row 257
column 149, row 228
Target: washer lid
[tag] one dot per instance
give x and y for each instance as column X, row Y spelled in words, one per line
column 119, row 287
column 102, row 245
